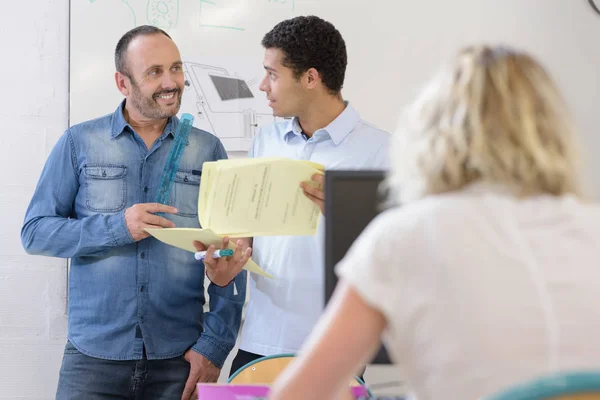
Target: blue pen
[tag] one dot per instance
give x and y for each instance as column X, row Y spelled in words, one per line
column 201, row 255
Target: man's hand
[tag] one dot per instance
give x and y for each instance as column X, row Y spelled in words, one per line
column 316, row 194
column 201, row 370
column 221, row 271
column 140, row 216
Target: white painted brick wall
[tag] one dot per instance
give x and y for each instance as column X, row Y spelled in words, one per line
column 34, row 113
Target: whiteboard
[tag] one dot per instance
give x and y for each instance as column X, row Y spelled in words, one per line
column 393, row 47
column 220, row 45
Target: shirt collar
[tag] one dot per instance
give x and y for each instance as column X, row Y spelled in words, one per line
column 337, row 130
column 119, row 124
column 293, row 127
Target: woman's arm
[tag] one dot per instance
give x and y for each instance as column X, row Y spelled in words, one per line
column 346, row 337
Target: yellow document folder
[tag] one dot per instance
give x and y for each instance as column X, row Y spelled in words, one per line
column 249, row 197
column 184, row 238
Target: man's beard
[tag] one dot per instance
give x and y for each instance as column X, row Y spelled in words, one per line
column 150, row 108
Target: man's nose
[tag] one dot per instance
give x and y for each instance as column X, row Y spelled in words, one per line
column 264, row 84
column 168, row 81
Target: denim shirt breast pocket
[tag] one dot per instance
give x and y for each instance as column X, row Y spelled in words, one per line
column 105, row 187
column 185, row 194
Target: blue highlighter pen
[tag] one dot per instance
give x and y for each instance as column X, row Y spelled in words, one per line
column 201, row 255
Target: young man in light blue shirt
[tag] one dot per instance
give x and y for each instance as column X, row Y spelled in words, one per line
column 305, row 63
column 136, row 326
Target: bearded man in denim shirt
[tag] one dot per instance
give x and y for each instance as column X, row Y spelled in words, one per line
column 136, row 323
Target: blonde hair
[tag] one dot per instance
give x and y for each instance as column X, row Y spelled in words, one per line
column 493, row 115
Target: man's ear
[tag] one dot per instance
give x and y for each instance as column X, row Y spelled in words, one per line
column 312, row 78
column 123, row 83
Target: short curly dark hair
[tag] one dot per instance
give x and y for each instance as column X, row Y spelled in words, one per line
column 311, row 42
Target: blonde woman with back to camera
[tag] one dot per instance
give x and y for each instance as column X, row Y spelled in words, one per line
column 488, row 273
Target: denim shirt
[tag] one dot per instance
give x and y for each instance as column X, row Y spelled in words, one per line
column 126, row 295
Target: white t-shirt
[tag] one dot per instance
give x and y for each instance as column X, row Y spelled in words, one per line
column 482, row 290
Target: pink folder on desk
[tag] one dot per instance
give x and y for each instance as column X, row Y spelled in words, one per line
column 207, row 391
column 231, row 392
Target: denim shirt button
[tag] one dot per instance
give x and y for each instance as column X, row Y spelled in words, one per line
column 142, row 256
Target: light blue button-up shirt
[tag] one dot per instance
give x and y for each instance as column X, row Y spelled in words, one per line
column 124, row 295
column 282, row 312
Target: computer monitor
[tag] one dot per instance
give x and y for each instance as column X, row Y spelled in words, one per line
column 353, row 199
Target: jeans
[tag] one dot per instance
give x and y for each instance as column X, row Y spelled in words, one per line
column 84, row 377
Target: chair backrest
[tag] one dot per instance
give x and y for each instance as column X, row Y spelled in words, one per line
column 265, row 370
column 577, row 385
column 261, row 371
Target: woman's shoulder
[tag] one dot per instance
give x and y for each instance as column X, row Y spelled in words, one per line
column 450, row 210
column 434, row 207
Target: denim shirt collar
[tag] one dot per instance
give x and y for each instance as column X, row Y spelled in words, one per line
column 337, row 130
column 119, row 124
